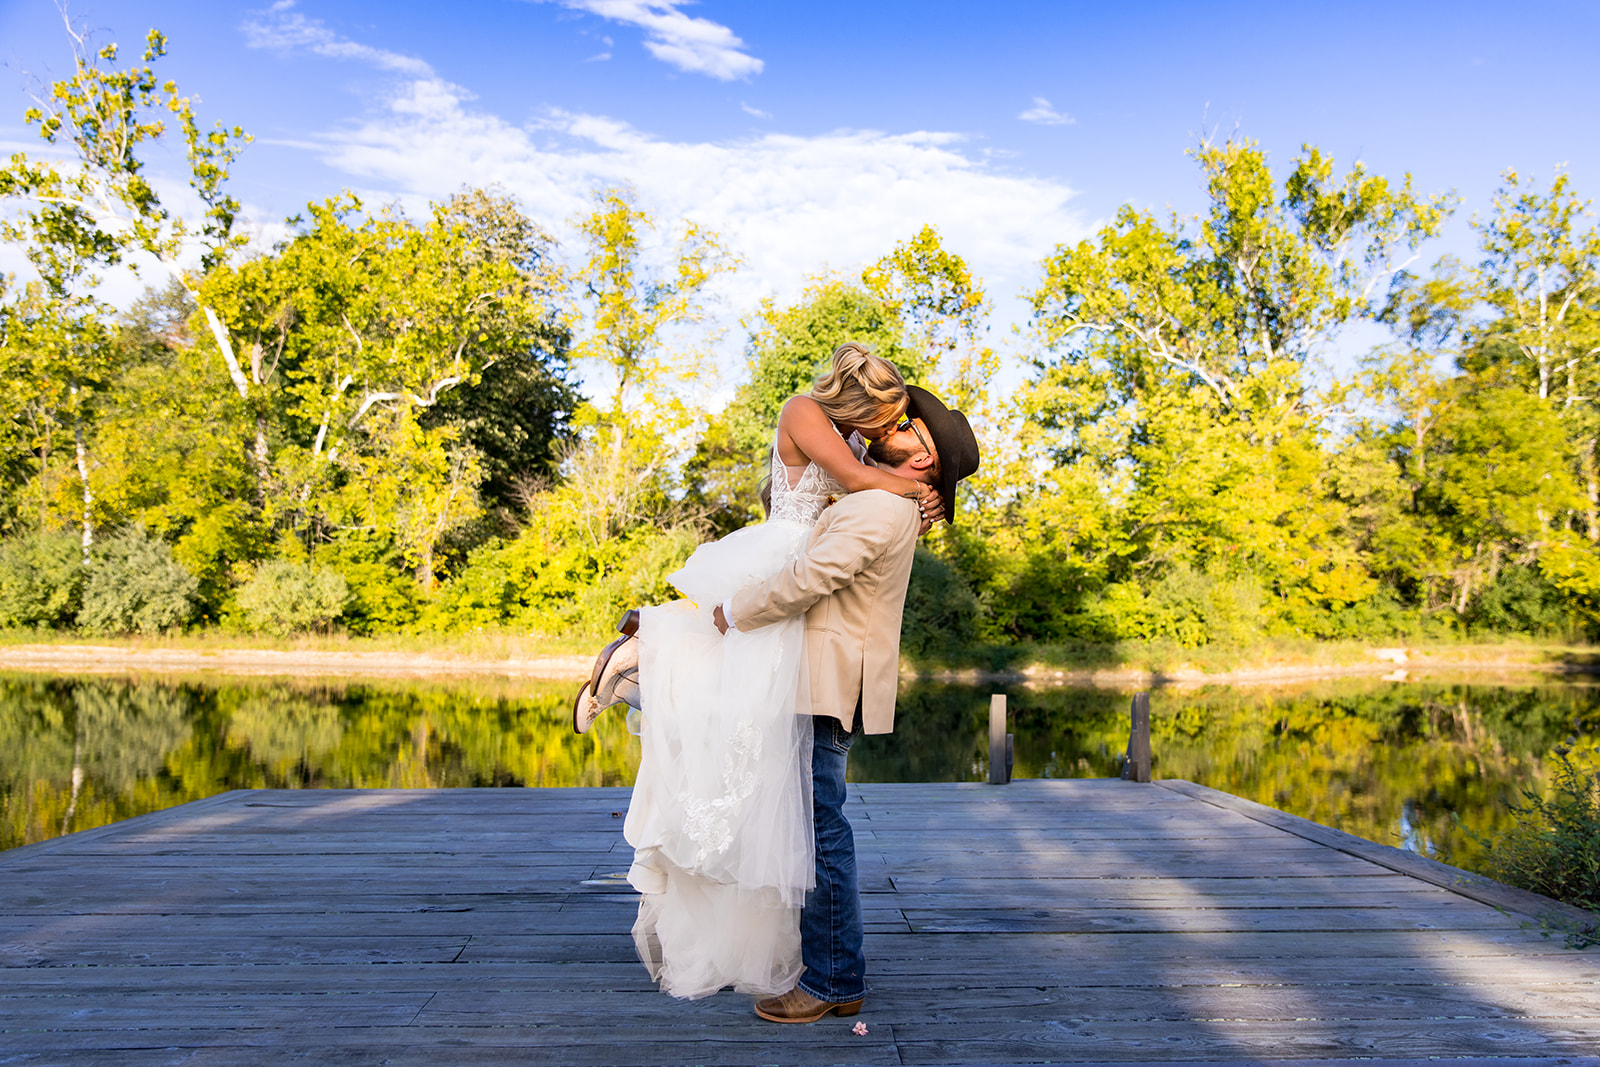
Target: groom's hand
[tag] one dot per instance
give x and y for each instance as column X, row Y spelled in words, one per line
column 720, row 619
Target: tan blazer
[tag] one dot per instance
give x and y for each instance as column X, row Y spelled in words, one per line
column 851, row 585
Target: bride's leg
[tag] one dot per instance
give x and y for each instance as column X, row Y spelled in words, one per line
column 627, row 689
column 614, row 678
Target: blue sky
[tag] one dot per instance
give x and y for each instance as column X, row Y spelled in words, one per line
column 815, row 135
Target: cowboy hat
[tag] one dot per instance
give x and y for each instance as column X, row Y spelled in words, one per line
column 952, row 439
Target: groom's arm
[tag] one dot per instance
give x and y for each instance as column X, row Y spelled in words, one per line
column 857, row 530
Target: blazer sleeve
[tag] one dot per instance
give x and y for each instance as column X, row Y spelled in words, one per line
column 858, row 530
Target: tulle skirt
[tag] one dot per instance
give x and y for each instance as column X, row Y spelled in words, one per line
column 720, row 819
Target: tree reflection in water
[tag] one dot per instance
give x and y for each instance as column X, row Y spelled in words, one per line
column 1387, row 761
column 80, row 752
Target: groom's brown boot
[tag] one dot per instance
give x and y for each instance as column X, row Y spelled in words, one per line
column 798, row 1006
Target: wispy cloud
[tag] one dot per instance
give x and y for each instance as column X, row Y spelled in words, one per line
column 695, row 45
column 790, row 206
column 756, row 111
column 1045, row 115
column 283, row 29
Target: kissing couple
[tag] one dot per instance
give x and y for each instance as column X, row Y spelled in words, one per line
column 751, row 690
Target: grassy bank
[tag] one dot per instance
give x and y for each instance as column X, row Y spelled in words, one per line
column 477, row 645
column 1158, row 657
column 1074, row 661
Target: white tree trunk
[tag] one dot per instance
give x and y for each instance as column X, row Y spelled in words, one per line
column 83, row 477
column 1591, row 479
column 220, row 333
column 261, row 460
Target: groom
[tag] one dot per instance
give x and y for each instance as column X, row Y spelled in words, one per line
column 851, row 587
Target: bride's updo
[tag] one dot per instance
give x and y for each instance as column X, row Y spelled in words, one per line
column 861, row 389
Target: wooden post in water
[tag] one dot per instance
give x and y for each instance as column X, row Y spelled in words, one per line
column 1136, row 764
column 999, row 742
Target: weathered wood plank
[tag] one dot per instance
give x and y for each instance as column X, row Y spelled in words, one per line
column 1023, row 1040
column 1409, row 863
column 454, row 926
column 491, row 1056
column 1500, row 944
column 1166, row 920
column 1145, row 1040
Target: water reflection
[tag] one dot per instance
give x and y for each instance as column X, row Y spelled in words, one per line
column 85, row 751
column 1388, row 761
column 1384, row 760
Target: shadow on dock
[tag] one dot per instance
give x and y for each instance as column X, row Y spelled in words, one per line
column 1087, row 920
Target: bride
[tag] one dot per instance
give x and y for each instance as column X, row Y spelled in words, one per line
column 720, row 818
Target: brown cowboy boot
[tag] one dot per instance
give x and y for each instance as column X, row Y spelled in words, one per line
column 798, row 1006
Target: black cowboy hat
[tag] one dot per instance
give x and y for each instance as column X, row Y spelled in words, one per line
column 952, row 438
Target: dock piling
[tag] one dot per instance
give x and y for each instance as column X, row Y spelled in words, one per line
column 1000, row 742
column 1136, row 763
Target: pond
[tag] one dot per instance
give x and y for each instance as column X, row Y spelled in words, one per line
column 1394, row 762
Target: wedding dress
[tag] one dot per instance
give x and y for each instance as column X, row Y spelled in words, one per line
column 720, row 818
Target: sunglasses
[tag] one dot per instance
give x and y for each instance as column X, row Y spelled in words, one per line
column 907, row 424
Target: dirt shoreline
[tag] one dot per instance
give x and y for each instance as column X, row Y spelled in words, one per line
column 101, row 659
column 1396, row 664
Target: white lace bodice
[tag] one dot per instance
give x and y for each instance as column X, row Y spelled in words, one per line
column 814, row 490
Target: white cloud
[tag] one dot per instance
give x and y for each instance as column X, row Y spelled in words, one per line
column 791, row 207
column 283, row 29
column 756, row 111
column 1046, row 115
column 695, row 45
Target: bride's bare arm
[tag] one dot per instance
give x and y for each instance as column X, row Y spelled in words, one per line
column 804, row 427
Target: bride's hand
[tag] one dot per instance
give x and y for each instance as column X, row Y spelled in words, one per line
column 931, row 506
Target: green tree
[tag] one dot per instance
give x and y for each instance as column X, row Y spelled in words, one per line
column 1174, row 383
column 172, row 455
column 1540, row 278
column 367, row 321
column 101, row 207
column 789, row 347
column 631, row 312
column 55, row 353
column 942, row 304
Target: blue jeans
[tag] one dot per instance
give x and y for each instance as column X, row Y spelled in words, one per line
column 830, row 922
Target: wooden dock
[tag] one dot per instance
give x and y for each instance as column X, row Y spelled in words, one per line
column 1087, row 921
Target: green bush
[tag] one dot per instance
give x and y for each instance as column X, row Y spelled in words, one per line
column 133, row 585
column 552, row 580
column 1519, row 600
column 41, row 579
column 1189, row 607
column 286, row 597
column 1380, row 615
column 383, row 596
column 1554, row 846
column 941, row 613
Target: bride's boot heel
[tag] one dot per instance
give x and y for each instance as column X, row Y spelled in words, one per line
column 617, row 664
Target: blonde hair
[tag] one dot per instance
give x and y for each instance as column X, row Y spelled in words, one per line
column 861, row 389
